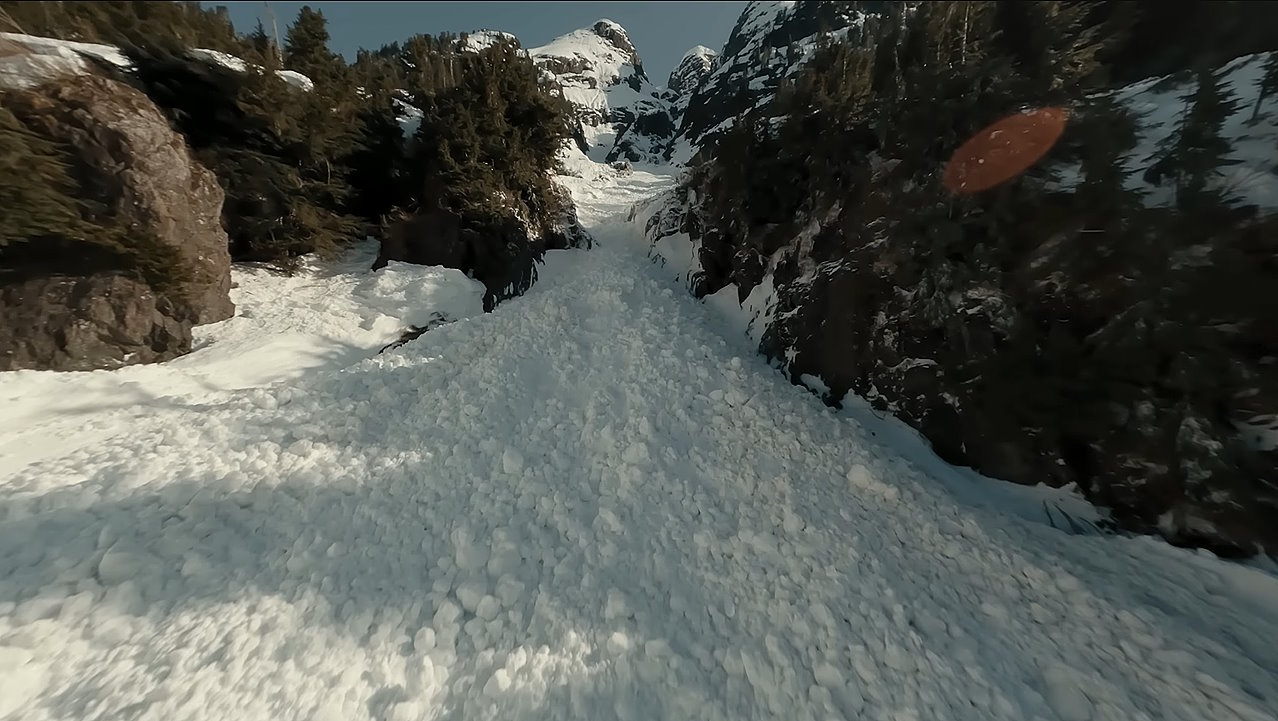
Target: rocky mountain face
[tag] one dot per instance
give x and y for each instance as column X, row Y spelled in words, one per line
column 692, row 69
column 1046, row 332
column 770, row 41
column 688, row 75
column 70, row 305
column 621, row 113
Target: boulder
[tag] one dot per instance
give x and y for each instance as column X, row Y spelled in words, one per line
column 80, row 323
column 128, row 159
column 84, row 307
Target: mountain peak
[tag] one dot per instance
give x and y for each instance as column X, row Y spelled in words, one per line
column 604, row 27
column 699, row 51
column 617, row 37
column 695, row 66
column 599, row 50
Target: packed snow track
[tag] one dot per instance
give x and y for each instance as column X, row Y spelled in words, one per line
column 589, row 504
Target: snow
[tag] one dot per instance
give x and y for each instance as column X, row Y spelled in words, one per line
column 292, row 77
column 600, row 90
column 409, row 116
column 51, row 58
column 68, row 48
column 483, row 39
column 326, row 317
column 701, row 52
column 596, row 502
column 752, row 315
column 226, row 60
column 604, row 61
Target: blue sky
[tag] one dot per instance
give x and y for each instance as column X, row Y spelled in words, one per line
column 662, row 31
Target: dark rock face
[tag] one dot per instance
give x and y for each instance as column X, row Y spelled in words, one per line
column 432, row 238
column 83, row 323
column 1049, row 366
column 84, row 310
column 643, row 136
column 129, row 160
column 567, row 232
column 1051, row 363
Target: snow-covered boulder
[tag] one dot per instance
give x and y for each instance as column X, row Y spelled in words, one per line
column 77, row 305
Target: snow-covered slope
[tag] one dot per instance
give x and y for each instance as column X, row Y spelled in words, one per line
column 592, row 503
column 621, row 112
column 48, row 58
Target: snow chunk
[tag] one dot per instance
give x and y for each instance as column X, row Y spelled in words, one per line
column 419, row 295
column 292, row 77
column 512, row 461
column 48, row 59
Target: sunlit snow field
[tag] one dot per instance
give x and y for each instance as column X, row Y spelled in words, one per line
column 596, row 502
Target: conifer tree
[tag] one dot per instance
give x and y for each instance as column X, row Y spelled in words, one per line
column 1267, row 84
column 306, row 49
column 1107, row 132
column 1197, row 149
column 263, row 50
column 35, row 189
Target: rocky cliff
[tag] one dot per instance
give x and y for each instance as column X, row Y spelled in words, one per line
column 1043, row 333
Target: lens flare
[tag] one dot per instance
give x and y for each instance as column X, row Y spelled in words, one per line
column 1003, row 150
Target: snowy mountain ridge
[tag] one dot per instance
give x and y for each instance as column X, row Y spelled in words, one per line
column 601, row 74
column 770, row 41
column 687, row 76
column 693, row 68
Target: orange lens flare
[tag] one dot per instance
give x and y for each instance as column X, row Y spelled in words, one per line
column 1003, row 150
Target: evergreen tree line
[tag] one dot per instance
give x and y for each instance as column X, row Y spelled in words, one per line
column 309, row 170
column 1120, row 342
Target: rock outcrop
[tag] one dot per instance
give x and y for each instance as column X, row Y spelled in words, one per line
column 86, row 322
column 691, row 71
column 137, row 175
